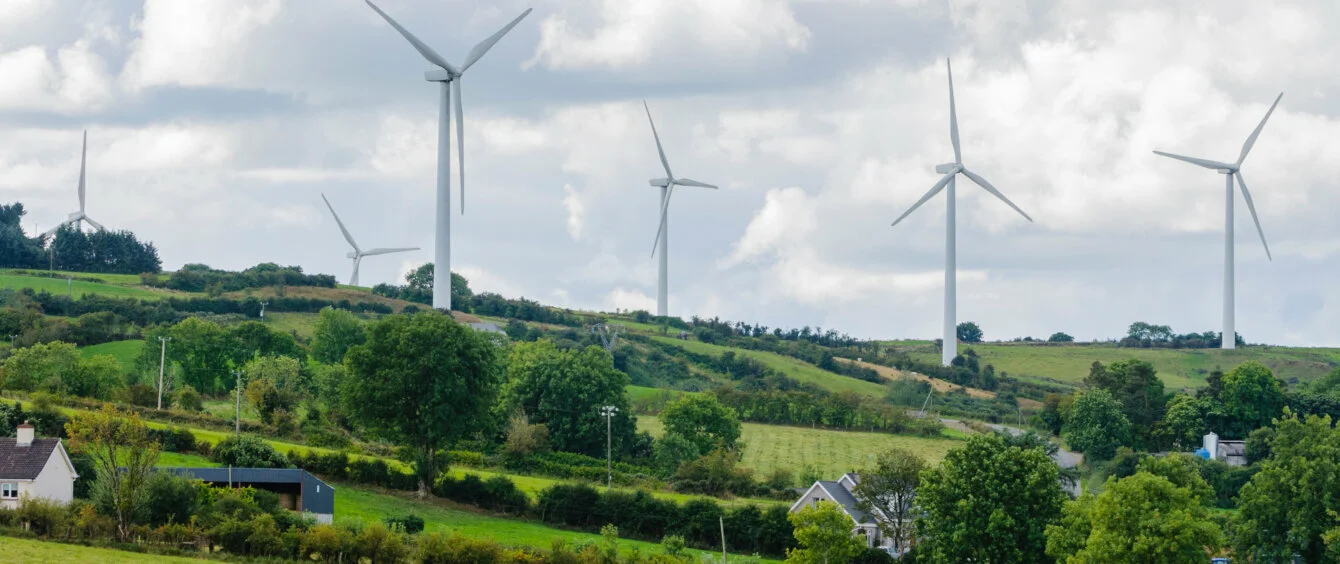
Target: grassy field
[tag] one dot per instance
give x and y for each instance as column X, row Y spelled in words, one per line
column 1179, row 368
column 27, row 550
column 831, row 453
column 124, row 351
column 796, row 369
column 113, row 279
column 79, row 287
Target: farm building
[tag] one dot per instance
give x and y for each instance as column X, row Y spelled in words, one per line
column 33, row 467
column 1232, row 452
column 298, row 490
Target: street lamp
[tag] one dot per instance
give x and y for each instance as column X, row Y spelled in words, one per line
column 608, row 411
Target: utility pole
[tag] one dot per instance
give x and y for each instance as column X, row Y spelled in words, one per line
column 722, row 523
column 238, row 422
column 162, row 360
column 608, row 411
column 69, row 284
column 263, row 304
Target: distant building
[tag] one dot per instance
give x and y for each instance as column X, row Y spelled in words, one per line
column 1232, row 452
column 865, row 525
column 32, row 467
column 298, row 490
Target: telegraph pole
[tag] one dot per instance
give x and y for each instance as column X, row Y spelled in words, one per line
column 608, row 411
column 162, row 359
column 238, row 422
column 263, row 304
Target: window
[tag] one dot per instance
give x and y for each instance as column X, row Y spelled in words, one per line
column 9, row 491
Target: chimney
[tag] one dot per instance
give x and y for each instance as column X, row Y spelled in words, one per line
column 25, row 435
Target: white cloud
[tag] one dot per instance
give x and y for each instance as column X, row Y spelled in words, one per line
column 572, row 201
column 198, row 43
column 628, row 300
column 76, row 82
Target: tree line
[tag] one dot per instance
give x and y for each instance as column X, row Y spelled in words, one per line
column 70, row 249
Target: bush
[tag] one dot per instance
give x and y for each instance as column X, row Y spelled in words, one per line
column 409, row 524
column 173, row 439
column 189, row 400
column 496, row 494
column 247, row 451
column 170, row 499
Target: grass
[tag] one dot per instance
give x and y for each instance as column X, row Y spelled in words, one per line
column 27, row 550
column 125, row 351
column 793, row 368
column 830, row 453
column 1179, row 368
column 636, row 393
column 114, row 279
column 79, row 287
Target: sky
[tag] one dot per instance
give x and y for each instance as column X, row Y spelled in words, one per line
column 215, row 125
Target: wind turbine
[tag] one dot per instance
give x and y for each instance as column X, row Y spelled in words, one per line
column 667, row 186
column 358, row 253
column 1228, row 339
column 951, row 171
column 449, row 77
column 77, row 217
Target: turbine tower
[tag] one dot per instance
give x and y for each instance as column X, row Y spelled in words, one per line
column 358, row 253
column 951, row 171
column 667, row 186
column 449, row 77
column 78, row 217
column 1228, row 339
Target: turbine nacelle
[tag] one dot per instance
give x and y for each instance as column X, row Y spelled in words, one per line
column 351, row 254
column 948, row 168
column 661, row 182
column 439, row 75
column 74, row 216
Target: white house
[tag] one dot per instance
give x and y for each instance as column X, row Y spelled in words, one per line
column 840, row 492
column 32, row 467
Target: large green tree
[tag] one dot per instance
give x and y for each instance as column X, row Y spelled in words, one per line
column 565, row 390
column 1096, row 425
column 205, row 352
column 1184, row 424
column 1137, row 386
column 889, row 487
column 1294, row 500
column 823, row 532
column 1250, row 399
column 703, row 420
column 988, row 502
column 422, row 381
column 968, row 332
column 336, row 331
column 1144, row 517
column 123, row 455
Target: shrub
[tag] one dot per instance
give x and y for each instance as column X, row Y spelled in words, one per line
column 42, row 516
column 173, row 439
column 409, row 524
column 247, row 451
column 189, row 400
column 170, row 499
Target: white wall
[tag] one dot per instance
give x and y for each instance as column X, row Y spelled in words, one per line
column 56, row 482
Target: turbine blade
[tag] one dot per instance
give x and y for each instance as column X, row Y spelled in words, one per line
column 1252, row 208
column 1212, row 165
column 95, row 224
column 423, row 48
column 665, row 163
column 992, row 189
column 487, row 44
column 83, row 160
column 347, row 236
column 953, row 116
column 380, row 251
column 460, row 136
column 660, row 225
column 1251, row 139
column 944, row 181
column 694, row 183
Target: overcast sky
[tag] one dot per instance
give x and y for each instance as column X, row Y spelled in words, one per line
column 215, row 125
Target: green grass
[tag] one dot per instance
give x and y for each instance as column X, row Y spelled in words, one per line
column 793, row 368
column 636, row 393
column 1179, row 368
column 125, row 351
column 60, row 286
column 831, row 453
column 303, row 323
column 27, row 550
column 114, row 279
column 179, row 460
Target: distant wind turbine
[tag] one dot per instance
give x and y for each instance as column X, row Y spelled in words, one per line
column 450, row 78
column 667, row 186
column 1228, row 339
column 358, row 253
column 951, row 171
column 79, row 216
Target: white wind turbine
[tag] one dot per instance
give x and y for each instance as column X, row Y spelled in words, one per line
column 1228, row 339
column 667, row 186
column 951, row 171
column 358, row 253
column 449, row 77
column 79, row 216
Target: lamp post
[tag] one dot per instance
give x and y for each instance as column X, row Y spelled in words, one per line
column 238, row 421
column 162, row 360
column 608, row 411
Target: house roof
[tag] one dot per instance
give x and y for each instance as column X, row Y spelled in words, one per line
column 317, row 496
column 1233, row 448
column 843, row 497
column 24, row 462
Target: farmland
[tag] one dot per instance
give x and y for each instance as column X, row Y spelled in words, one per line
column 793, row 368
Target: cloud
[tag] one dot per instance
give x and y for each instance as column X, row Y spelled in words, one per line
column 628, row 300
column 200, row 43
column 572, row 201
column 75, row 82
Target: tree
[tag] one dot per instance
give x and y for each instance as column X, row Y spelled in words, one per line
column 1140, row 518
column 1137, row 386
column 1251, row 398
column 1291, row 503
column 422, row 381
column 1096, row 426
column 969, row 332
column 1059, row 337
column 205, row 351
column 564, row 390
column 40, row 367
column 823, row 532
column 988, row 502
column 890, row 488
column 336, row 331
column 247, row 451
column 123, row 455
column 703, row 420
column 257, row 339
column 273, row 385
column 1183, row 426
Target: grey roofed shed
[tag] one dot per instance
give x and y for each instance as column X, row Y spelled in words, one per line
column 314, row 495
